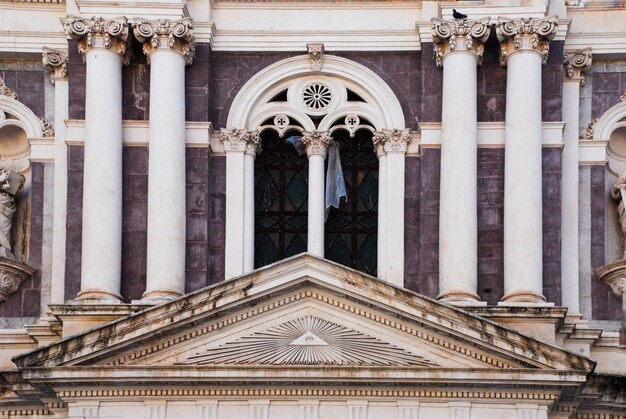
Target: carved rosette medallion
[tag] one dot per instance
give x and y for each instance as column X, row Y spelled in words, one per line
column 241, row 140
column 316, row 143
column 459, row 35
column 12, row 274
column 98, row 32
column 395, row 140
column 166, row 34
column 525, row 34
column 576, row 63
column 55, row 62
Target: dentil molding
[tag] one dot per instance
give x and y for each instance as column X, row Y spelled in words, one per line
column 459, row 35
column 576, row 63
column 525, row 34
column 98, row 32
column 166, row 34
column 55, row 62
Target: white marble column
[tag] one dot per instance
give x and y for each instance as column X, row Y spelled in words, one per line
column 56, row 62
column 459, row 46
column 524, row 45
column 391, row 147
column 575, row 63
column 239, row 204
column 168, row 46
column 104, row 46
column 316, row 144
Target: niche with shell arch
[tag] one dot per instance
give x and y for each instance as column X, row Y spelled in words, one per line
column 18, row 125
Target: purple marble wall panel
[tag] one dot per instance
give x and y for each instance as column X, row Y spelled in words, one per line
column 76, row 81
column 134, row 221
column 491, row 84
column 412, row 188
column 197, row 257
column 429, row 222
column 605, row 305
column 197, row 85
column 217, row 218
column 551, row 190
column 29, row 87
column 25, row 302
column 552, row 83
column 136, row 86
column 432, row 83
column 606, row 89
column 490, row 197
column 74, row 220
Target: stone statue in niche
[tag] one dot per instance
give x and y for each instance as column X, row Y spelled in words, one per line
column 11, row 184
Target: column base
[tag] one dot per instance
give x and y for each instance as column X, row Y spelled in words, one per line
column 96, row 296
column 461, row 298
column 158, row 297
column 523, row 296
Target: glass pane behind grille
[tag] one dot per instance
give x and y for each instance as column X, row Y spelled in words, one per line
column 351, row 231
column 281, row 192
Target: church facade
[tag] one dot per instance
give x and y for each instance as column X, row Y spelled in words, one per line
column 313, row 209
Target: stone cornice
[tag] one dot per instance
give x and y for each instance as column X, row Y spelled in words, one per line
column 166, row 34
column 55, row 62
column 459, row 35
column 98, row 32
column 241, row 140
column 576, row 63
column 525, row 34
column 395, row 140
column 316, row 143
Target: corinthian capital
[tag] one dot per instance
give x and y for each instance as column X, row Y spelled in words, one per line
column 55, row 62
column 459, row 35
column 316, row 143
column 98, row 32
column 241, row 140
column 392, row 140
column 576, row 63
column 165, row 34
column 525, row 34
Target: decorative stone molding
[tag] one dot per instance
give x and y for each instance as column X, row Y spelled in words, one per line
column 241, row 140
column 12, row 274
column 576, row 63
column 614, row 275
column 587, row 134
column 316, row 142
column 166, row 34
column 55, row 62
column 5, row 91
column 459, row 35
column 98, row 32
column 46, row 127
column 316, row 54
column 525, row 34
column 395, row 140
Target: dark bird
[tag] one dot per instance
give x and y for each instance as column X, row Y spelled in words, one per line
column 458, row 15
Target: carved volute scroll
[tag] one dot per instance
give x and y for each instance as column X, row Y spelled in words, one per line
column 55, row 62
column 459, row 35
column 241, row 140
column 576, row 63
column 316, row 142
column 525, row 34
column 98, row 32
column 175, row 35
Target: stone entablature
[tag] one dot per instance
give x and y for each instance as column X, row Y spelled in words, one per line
column 459, row 35
column 525, row 34
column 98, row 32
column 165, row 34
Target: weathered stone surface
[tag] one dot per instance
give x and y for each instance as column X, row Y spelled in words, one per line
column 552, row 74
column 216, row 219
column 491, row 84
column 429, row 222
column 412, row 186
column 198, row 198
column 551, row 184
column 28, row 85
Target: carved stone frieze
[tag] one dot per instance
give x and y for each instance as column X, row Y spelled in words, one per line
column 241, row 140
column 309, row 340
column 525, row 34
column 46, row 127
column 55, row 62
column 587, row 134
column 316, row 53
column 5, row 91
column 459, row 35
column 576, row 63
column 157, row 34
column 12, row 274
column 395, row 140
column 316, row 142
column 99, row 32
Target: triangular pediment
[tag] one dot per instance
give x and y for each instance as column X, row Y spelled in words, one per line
column 304, row 312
